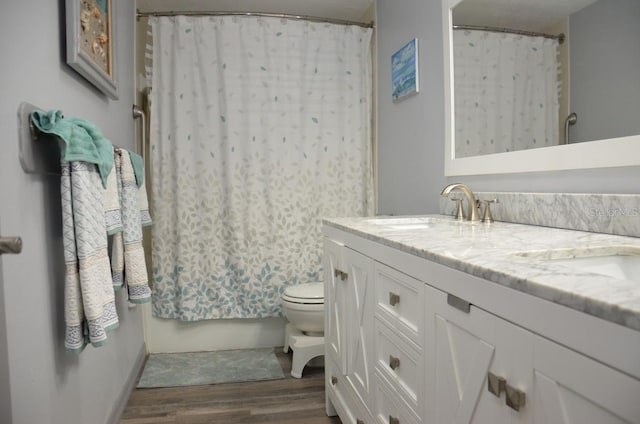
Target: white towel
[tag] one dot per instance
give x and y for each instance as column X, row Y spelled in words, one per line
column 135, row 267
column 90, row 309
column 112, row 215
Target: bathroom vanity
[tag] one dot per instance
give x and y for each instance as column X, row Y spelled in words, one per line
column 434, row 320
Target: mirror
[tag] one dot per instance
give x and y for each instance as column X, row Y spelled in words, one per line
column 600, row 84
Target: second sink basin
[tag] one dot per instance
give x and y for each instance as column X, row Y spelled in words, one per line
column 622, row 267
column 622, row 262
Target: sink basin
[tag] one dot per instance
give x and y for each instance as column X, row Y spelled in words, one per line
column 622, row 267
column 408, row 223
column 403, row 220
column 622, row 262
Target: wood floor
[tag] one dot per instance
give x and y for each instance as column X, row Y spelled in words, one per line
column 286, row 401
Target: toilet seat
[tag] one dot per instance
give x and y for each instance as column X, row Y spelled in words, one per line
column 308, row 294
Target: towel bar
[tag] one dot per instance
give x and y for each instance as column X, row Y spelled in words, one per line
column 138, row 112
column 43, row 157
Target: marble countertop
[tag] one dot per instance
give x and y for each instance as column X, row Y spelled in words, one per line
column 516, row 256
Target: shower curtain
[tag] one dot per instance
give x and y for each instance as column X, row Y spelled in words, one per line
column 506, row 92
column 259, row 128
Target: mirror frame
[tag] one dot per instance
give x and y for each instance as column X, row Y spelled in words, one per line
column 614, row 152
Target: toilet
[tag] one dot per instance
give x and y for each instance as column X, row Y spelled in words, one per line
column 303, row 305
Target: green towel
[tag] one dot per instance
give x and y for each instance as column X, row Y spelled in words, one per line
column 138, row 167
column 83, row 141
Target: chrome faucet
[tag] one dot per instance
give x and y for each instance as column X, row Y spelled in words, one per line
column 472, row 203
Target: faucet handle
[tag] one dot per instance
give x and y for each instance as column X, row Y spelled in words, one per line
column 459, row 215
column 487, row 218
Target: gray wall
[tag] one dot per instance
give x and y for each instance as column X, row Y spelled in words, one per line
column 605, row 70
column 46, row 384
column 411, row 134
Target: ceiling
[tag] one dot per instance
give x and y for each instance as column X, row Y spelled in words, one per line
column 352, row 10
column 528, row 15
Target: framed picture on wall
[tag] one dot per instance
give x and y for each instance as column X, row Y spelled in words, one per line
column 90, row 42
column 404, row 71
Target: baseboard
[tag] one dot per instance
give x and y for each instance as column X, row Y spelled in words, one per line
column 128, row 387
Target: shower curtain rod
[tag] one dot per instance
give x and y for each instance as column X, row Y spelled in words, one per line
column 559, row 37
column 269, row 15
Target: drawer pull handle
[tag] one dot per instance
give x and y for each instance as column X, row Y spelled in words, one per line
column 359, row 421
column 495, row 384
column 334, row 380
column 393, row 420
column 458, row 303
column 515, row 398
column 340, row 274
column 394, row 362
column 10, row 245
column 394, row 299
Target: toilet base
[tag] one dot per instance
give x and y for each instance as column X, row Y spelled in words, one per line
column 305, row 348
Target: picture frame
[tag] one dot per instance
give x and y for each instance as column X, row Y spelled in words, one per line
column 404, row 71
column 91, row 29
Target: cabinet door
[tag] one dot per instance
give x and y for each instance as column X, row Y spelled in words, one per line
column 334, row 299
column 573, row 389
column 359, row 318
column 463, row 349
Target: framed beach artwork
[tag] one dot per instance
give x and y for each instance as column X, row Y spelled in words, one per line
column 90, row 42
column 404, row 71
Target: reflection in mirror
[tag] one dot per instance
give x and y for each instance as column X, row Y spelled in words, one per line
column 516, row 91
column 506, row 91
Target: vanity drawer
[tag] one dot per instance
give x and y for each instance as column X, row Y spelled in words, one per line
column 399, row 363
column 400, row 300
column 391, row 409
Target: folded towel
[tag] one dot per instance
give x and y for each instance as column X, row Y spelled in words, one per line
column 90, row 309
column 117, row 245
column 135, row 267
column 113, row 217
column 143, row 206
column 83, row 141
column 117, row 261
column 138, row 167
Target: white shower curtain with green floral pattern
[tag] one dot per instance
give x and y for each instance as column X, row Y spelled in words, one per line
column 260, row 127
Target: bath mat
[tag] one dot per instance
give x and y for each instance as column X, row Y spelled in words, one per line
column 200, row 368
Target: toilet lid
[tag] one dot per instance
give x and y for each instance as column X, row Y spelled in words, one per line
column 305, row 293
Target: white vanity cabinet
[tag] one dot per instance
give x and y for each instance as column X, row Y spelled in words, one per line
column 571, row 388
column 468, row 348
column 488, row 370
column 417, row 342
column 348, row 332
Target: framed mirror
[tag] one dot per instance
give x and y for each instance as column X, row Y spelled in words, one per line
column 575, row 106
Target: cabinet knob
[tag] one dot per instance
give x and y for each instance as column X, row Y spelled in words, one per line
column 334, row 380
column 515, row 398
column 495, row 384
column 394, row 362
column 393, row 420
column 394, row 299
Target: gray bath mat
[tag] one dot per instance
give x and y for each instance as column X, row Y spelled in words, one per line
column 198, row 368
